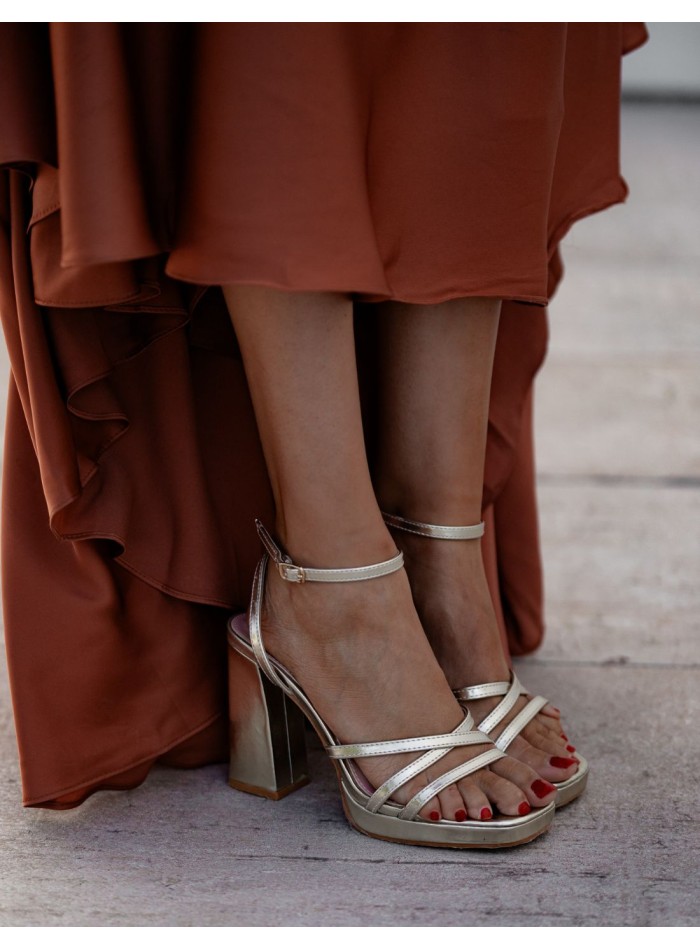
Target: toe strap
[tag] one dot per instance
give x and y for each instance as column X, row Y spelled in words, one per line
column 510, row 692
column 436, row 747
column 483, row 691
column 454, row 775
column 464, row 734
column 497, row 715
column 518, row 723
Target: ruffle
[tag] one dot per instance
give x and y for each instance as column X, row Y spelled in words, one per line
column 133, row 466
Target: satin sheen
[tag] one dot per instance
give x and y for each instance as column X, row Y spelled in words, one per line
column 141, row 166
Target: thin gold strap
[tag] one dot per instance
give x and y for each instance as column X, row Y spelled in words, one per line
column 296, row 574
column 464, row 532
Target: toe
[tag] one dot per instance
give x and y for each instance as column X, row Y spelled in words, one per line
column 551, row 711
column 552, row 768
column 547, row 741
column 541, row 726
column 478, row 806
column 431, row 811
column 508, row 798
column 452, row 804
column 536, row 790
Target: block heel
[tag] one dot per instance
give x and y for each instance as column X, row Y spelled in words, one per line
column 267, row 741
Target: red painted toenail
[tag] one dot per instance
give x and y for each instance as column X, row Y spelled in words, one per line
column 560, row 763
column 460, row 815
column 565, row 738
column 542, row 789
column 571, row 748
column 435, row 816
column 486, row 814
column 523, row 808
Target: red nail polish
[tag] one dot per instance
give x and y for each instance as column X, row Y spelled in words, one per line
column 560, row 763
column 486, row 814
column 435, row 816
column 542, row 789
column 565, row 738
column 523, row 808
column 460, row 815
column 571, row 748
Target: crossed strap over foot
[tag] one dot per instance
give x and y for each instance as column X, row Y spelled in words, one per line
column 438, row 746
column 435, row 746
column 511, row 691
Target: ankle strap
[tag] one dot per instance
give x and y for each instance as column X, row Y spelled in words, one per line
column 464, row 532
column 289, row 571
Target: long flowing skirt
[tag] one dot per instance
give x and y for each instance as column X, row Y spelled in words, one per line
column 144, row 165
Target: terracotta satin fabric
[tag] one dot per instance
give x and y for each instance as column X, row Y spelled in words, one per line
column 142, row 165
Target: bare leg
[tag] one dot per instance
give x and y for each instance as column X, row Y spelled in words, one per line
column 357, row 649
column 436, row 377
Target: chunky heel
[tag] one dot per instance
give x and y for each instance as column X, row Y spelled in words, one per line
column 267, row 741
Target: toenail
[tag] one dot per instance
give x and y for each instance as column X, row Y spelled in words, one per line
column 486, row 814
column 571, row 748
column 542, row 789
column 565, row 738
column 435, row 816
column 523, row 808
column 460, row 815
column 560, row 763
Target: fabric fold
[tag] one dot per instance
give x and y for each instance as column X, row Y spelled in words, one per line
column 142, row 165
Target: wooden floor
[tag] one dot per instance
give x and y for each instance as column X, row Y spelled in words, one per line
column 619, row 455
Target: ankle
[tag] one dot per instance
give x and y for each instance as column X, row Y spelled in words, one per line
column 450, row 506
column 314, row 542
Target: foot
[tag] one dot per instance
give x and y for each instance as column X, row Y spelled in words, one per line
column 359, row 652
column 454, row 604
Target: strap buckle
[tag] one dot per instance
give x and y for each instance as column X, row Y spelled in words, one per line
column 291, row 572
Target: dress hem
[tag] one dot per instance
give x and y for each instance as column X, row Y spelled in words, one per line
column 45, row 801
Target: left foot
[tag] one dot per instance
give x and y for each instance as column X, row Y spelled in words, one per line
column 454, row 603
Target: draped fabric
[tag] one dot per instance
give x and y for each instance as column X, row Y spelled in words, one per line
column 141, row 167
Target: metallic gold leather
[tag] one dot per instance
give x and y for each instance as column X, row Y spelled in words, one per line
column 267, row 743
column 446, row 532
column 518, row 723
column 296, row 574
column 572, row 787
column 254, row 621
column 483, row 691
column 422, row 797
column 567, row 790
column 260, row 750
column 447, row 741
column 496, row 716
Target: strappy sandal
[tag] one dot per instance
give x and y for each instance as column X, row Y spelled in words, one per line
column 570, row 788
column 268, row 754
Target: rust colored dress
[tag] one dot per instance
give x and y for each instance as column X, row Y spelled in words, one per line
column 142, row 166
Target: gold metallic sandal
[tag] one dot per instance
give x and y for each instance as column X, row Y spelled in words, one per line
column 268, row 755
column 567, row 790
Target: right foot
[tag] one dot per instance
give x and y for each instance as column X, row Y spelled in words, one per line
column 361, row 656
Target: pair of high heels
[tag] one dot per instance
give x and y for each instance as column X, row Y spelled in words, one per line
column 268, row 706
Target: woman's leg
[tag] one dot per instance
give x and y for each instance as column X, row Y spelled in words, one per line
column 435, row 383
column 357, row 649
